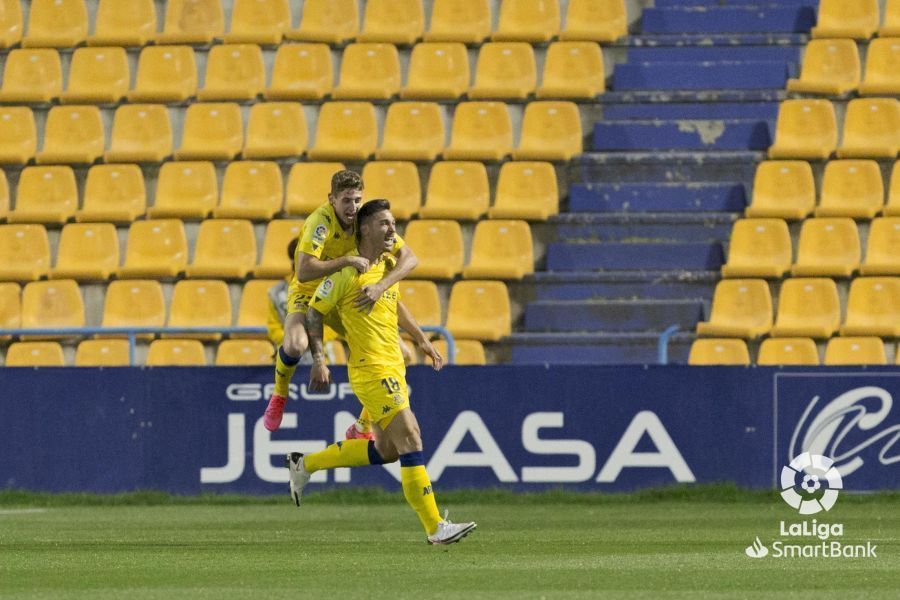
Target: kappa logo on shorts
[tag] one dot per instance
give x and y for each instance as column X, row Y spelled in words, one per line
column 385, row 410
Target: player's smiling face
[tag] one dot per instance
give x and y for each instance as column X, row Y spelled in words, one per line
column 381, row 228
column 346, row 204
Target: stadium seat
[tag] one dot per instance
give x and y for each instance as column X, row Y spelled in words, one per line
column 572, row 70
column 504, row 71
column 87, row 251
column 393, row 21
column 368, row 72
column 437, row 71
column 56, row 24
column 501, row 250
column 4, row 196
column 52, row 305
column 274, row 261
column 24, row 252
column 807, row 307
column 457, row 190
column 200, row 303
column 805, row 129
column 253, row 309
column 176, row 353
column 718, row 352
column 245, row 353
column 225, row 249
column 330, row 21
column 828, row 247
column 527, row 21
column 18, row 135
column 258, row 22
column 113, row 193
column 595, row 20
column 301, row 72
column 185, row 190
column 891, row 26
column 134, row 303
column 102, row 353
column 308, row 186
column 468, row 352
column 141, row 133
column 233, row 72
column 882, row 68
column 165, row 74
column 871, row 129
column 397, row 181
column 758, row 248
column 10, row 308
column 45, row 195
column 251, row 189
column 439, row 248
column 192, row 22
column 842, row 19
column 855, row 351
column 788, row 352
column 31, row 76
column 73, row 134
column 479, row 310
column 35, row 354
column 276, row 130
column 466, row 21
column 423, row 301
column 10, row 23
column 851, row 188
column 212, row 131
column 345, row 131
column 526, row 190
column 830, row 67
column 156, row 248
column 550, row 131
column 97, row 76
column 412, row 131
column 783, row 190
column 873, row 307
column 883, row 248
column 481, row 131
column 116, row 27
column 892, row 207
column 740, row 308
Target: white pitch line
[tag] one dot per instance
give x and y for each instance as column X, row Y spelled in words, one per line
column 22, row 511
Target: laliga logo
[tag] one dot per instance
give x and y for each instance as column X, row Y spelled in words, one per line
column 809, row 472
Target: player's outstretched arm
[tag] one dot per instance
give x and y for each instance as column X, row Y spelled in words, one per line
column 310, row 268
column 369, row 294
column 319, row 375
column 408, row 323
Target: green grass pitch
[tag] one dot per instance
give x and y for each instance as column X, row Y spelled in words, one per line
column 369, row 545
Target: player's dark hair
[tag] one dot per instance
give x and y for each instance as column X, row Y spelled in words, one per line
column 345, row 180
column 292, row 248
column 367, row 210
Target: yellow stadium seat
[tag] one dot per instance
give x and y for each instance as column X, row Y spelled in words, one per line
column 526, row 190
column 116, row 27
column 192, row 22
column 258, row 22
column 501, row 250
column 176, row 353
column 437, row 71
column 45, row 195
column 56, row 24
column 87, row 251
column 882, row 68
column 102, row 353
column 741, row 308
column 595, row 20
column 412, row 131
column 479, row 310
column 805, row 129
column 251, row 189
column 369, row 71
column 35, row 354
column 892, row 207
column 830, row 67
column 783, row 189
column 156, row 248
column 18, row 135
column 808, row 307
column 73, row 134
column 423, row 301
column 31, row 76
column 113, row 193
column 468, row 352
column 439, row 247
column 10, row 23
column 873, row 307
column 457, row 190
column 883, row 248
column 788, row 351
column 134, row 303
column 52, row 305
column 10, row 308
column 345, row 131
column 97, row 76
column 891, row 25
column 393, row 21
column 505, row 71
column 527, row 21
column 871, row 129
column 212, row 131
column 573, row 70
column 233, row 72
column 245, row 353
column 331, row 21
column 140, row 133
column 466, row 21
column 842, row 19
column 758, row 248
column 225, row 248
column 301, row 72
column 274, row 261
column 398, row 182
column 24, row 252
column 718, row 352
column 253, row 309
column 276, row 130
column 481, row 131
column 165, row 74
column 855, row 351
column 185, row 190
column 200, row 303
column 851, row 188
column 550, row 131
column 308, row 186
column 828, row 247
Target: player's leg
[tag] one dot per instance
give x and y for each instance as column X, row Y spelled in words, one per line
column 286, row 358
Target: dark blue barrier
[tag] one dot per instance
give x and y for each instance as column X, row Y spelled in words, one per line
column 701, row 76
column 623, row 256
column 714, row 134
column 657, row 197
column 612, row 315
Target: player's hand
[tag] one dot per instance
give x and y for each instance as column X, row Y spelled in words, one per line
column 436, row 359
column 359, row 263
column 368, row 296
column 319, row 378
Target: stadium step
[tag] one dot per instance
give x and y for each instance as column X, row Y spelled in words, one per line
column 657, row 197
column 736, row 3
column 683, row 110
column 612, row 315
column 685, row 134
column 567, row 348
column 736, row 19
column 694, row 54
column 702, row 75
column 696, row 256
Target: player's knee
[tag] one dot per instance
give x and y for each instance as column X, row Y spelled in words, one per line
column 295, row 342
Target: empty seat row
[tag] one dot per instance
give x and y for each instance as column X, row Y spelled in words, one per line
column 832, row 67
column 859, row 19
column 789, row 351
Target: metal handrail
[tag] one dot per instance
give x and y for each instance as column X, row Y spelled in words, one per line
column 663, row 344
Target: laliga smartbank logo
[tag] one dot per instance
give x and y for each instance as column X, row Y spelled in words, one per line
column 810, row 484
